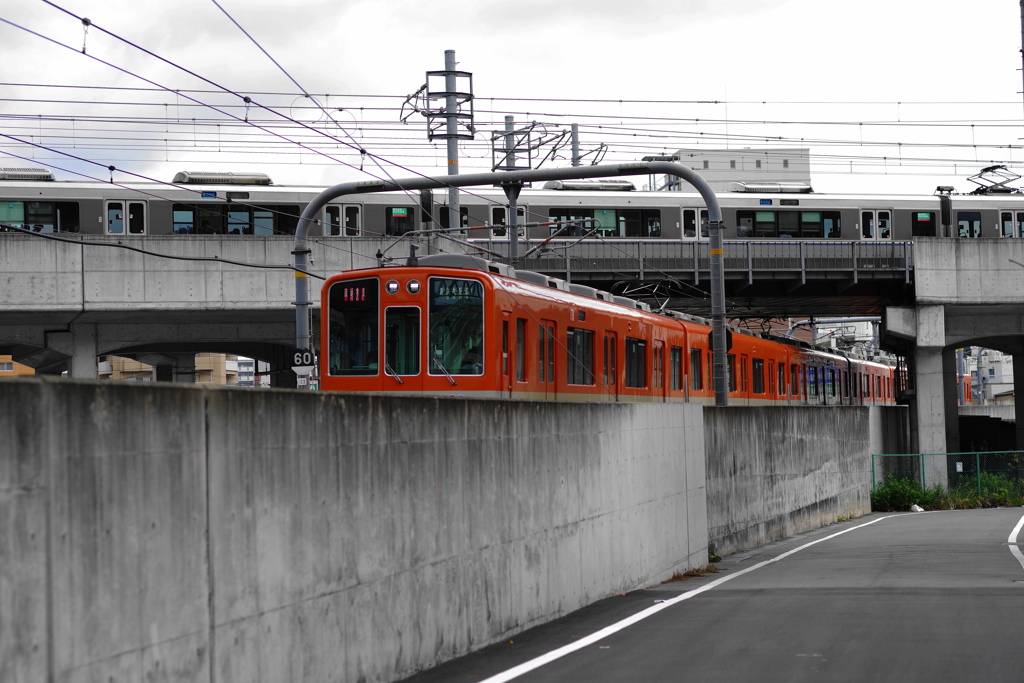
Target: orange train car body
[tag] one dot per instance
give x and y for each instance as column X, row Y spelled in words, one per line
column 462, row 326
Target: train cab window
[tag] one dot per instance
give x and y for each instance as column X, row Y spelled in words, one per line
column 499, row 219
column 352, row 327
column 402, row 340
column 1011, row 224
column 696, row 370
column 757, row 374
column 922, row 223
column 43, row 217
column 636, row 363
column 399, row 220
column 579, row 365
column 675, row 356
column 455, row 320
column 968, row 223
column 520, row 349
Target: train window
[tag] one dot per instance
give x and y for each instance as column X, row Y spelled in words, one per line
column 352, row 327
column 238, row 223
column 551, row 355
column 398, row 220
column 456, row 327
column 1011, row 224
column 184, row 220
column 220, row 219
column 831, row 224
column 45, row 217
column 636, row 363
column 731, row 371
column 922, row 223
column 504, row 347
column 579, row 365
column 676, row 368
column 696, row 380
column 520, row 349
column 609, row 359
column 782, row 379
column 444, row 216
column 572, row 222
column 640, row 222
column 402, row 341
column 658, row 371
column 794, row 380
column 115, row 218
column 789, row 223
column 968, row 223
column 757, row 373
column 878, row 386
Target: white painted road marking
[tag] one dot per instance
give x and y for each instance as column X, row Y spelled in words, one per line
column 537, row 662
column 1012, row 540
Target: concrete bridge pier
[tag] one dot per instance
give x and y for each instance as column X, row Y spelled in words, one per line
column 179, row 368
column 79, row 344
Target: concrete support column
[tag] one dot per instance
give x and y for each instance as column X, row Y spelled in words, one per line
column 78, row 344
column 932, row 366
column 1018, row 404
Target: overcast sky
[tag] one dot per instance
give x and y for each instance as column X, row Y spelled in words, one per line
column 936, row 81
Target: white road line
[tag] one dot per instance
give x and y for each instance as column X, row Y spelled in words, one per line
column 1012, row 540
column 536, row 663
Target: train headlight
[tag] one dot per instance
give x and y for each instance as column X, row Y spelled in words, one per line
column 391, row 287
column 413, row 287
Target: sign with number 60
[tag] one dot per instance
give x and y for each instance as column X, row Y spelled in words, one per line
column 302, row 361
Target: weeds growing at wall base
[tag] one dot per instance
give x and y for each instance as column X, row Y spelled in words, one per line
column 989, row 490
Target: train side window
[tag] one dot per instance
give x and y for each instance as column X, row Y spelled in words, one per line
column 579, row 365
column 794, row 379
column 731, row 370
column 791, row 222
column 520, row 349
column 238, row 223
column 676, row 368
column 575, row 229
column 551, row 354
column 696, row 369
column 782, row 379
column 398, row 220
column 44, row 217
column 184, row 220
column 757, row 373
column 831, row 224
column 968, row 223
column 444, row 216
column 922, row 223
column 640, row 222
column 636, row 363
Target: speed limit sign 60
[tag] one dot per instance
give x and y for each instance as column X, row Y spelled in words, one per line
column 302, row 361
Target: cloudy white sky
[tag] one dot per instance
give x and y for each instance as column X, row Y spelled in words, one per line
column 890, row 96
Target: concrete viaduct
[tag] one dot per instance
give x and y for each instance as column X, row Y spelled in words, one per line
column 64, row 304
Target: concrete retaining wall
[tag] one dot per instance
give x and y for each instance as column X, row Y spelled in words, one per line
column 171, row 533
column 773, row 472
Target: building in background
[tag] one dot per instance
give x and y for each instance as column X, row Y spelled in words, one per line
column 211, row 368
column 722, row 167
column 10, row 368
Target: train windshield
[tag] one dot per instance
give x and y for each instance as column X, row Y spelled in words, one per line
column 352, row 327
column 456, row 326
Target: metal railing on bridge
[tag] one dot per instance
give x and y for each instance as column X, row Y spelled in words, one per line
column 747, row 259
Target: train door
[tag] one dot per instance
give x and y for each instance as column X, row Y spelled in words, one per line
column 695, row 224
column 126, row 218
column 499, row 219
column 402, row 340
column 876, row 224
column 346, row 219
column 546, row 359
column 658, row 375
column 609, row 373
column 1011, row 223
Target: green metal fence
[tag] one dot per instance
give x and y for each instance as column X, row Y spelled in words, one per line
column 984, row 472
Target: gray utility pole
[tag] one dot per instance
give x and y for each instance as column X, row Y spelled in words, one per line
column 313, row 210
column 576, row 141
column 512, row 190
column 452, row 114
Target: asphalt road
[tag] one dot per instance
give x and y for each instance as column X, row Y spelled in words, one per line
column 935, row 596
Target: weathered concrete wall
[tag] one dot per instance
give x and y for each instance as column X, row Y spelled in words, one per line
column 172, row 533
column 773, row 472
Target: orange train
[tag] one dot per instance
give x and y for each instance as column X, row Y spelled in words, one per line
column 457, row 325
